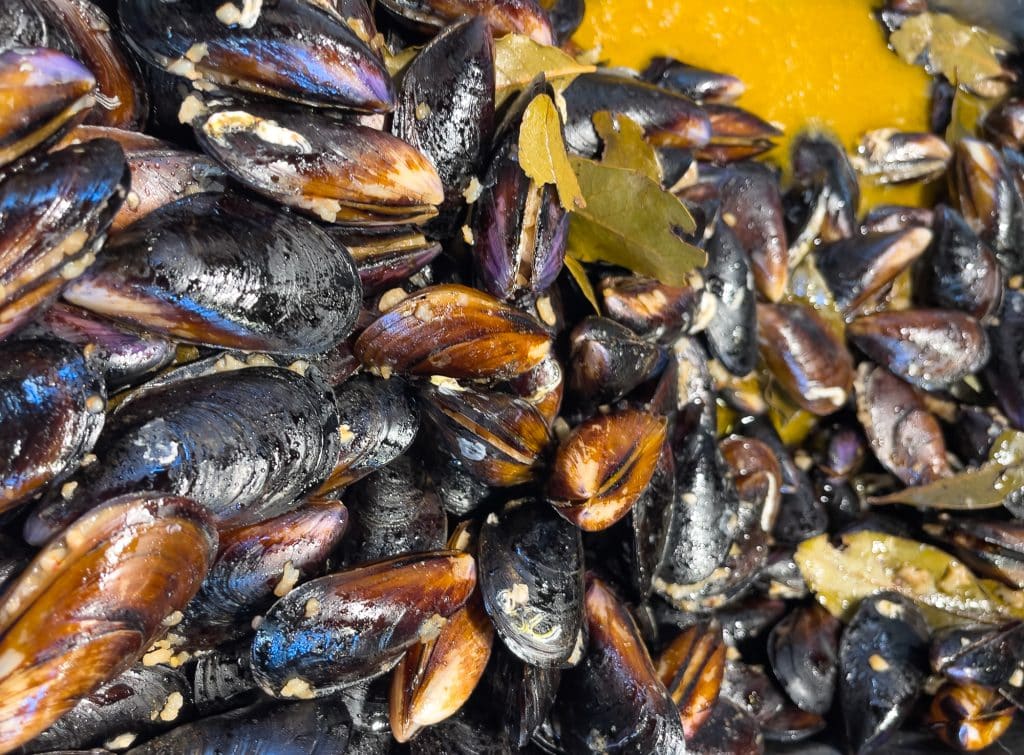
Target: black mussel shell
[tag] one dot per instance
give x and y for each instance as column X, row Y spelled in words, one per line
column 45, row 385
column 882, row 663
column 531, row 577
column 244, row 443
column 226, row 271
column 732, row 332
column 804, row 653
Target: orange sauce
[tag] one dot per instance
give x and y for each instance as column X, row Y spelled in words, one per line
column 805, row 63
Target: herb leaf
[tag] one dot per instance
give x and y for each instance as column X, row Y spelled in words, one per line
column 631, row 221
column 983, row 487
column 625, row 146
column 542, row 154
column 967, row 55
column 944, row 589
column 579, row 274
column 518, row 60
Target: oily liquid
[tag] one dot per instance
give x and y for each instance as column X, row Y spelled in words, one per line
column 805, row 63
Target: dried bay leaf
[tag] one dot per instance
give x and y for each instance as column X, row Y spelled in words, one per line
column 632, row 222
column 983, row 487
column 866, row 562
column 579, row 274
column 518, row 60
column 542, row 154
column 625, row 146
column 967, row 55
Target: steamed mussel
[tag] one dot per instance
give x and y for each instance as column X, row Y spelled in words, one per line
column 390, row 377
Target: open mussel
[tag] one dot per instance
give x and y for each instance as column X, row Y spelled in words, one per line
column 227, row 271
column 354, row 625
column 244, row 443
column 48, row 384
column 48, row 240
column 104, row 588
column 531, row 578
column 336, row 172
column 295, row 50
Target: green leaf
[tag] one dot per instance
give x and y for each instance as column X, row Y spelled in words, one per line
column 947, row 593
column 984, row 487
column 625, row 146
column 542, row 154
column 967, row 55
column 518, row 60
column 579, row 274
column 631, row 221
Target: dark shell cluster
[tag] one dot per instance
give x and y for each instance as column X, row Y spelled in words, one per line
column 316, row 435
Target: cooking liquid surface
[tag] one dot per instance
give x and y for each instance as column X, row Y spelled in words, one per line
column 805, row 63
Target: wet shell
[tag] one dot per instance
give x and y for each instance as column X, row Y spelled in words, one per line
column 92, row 601
column 531, row 578
column 45, row 385
column 351, row 626
column 454, row 331
column 503, row 16
column 226, row 271
column 245, row 444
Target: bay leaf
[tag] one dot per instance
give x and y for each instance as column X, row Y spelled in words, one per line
column 579, row 274
column 983, row 487
column 625, row 146
column 518, row 60
column 542, row 154
column 967, row 55
column 631, row 221
column 866, row 562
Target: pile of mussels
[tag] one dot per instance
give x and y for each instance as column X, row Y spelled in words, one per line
column 261, row 256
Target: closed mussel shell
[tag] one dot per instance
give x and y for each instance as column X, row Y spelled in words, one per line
column 45, row 94
column 729, row 729
column 140, row 701
column 81, row 29
column 305, row 728
column 1005, row 371
column 378, row 420
column 649, row 307
column 393, row 513
column 732, row 332
column 498, row 438
column 751, row 207
column 45, row 384
column 522, row 693
column 121, row 354
column 804, row 653
column 228, row 271
column 337, row 172
column 92, row 601
column 989, row 656
column 669, row 119
column 984, row 188
column 698, row 84
column 244, row 443
column 992, row 548
column 882, row 658
column 351, row 626
column 905, row 437
column 56, row 210
column 289, row 49
column 454, row 331
column 524, row 17
column 608, row 360
column 445, row 106
column 929, row 348
column 823, row 173
column 959, row 270
column 603, row 467
column 805, row 356
column 613, row 701
column 857, row 268
column 387, row 256
column 257, row 563
column 531, row 578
